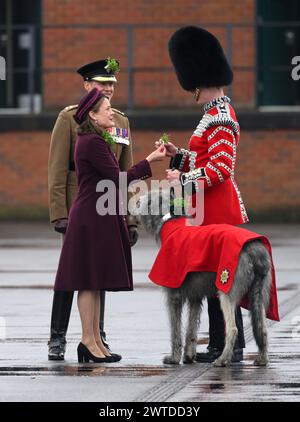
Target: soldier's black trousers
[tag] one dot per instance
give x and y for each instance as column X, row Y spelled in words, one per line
column 61, row 311
column 217, row 326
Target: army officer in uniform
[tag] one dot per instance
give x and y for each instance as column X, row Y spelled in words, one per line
column 62, row 184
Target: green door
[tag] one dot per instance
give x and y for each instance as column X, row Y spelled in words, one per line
column 278, row 41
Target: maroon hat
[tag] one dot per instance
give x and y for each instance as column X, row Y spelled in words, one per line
column 87, row 102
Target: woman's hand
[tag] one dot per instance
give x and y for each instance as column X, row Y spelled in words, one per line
column 157, row 155
column 170, row 148
column 173, row 176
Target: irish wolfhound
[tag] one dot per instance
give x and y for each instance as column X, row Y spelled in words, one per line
column 253, row 276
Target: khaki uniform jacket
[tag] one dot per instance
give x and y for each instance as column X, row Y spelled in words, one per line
column 62, row 181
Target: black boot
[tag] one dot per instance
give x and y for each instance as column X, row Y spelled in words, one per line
column 101, row 322
column 217, row 334
column 61, row 310
column 212, row 354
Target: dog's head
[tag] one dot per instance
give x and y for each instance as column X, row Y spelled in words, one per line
column 158, row 206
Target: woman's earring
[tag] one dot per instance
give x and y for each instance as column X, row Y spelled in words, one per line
column 197, row 94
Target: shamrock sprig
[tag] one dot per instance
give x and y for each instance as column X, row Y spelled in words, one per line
column 178, row 202
column 164, row 138
column 109, row 139
column 178, row 206
column 112, row 65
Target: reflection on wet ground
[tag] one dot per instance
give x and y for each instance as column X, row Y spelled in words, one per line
column 216, row 386
column 137, row 326
column 85, row 370
column 278, row 381
column 291, row 286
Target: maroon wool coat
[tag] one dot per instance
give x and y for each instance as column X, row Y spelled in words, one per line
column 96, row 252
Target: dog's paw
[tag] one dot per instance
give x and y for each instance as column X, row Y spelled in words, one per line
column 188, row 359
column 261, row 361
column 170, row 360
column 221, row 362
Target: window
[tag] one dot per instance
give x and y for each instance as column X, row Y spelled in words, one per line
column 20, row 46
column 278, row 41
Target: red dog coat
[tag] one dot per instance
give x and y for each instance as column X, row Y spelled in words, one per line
column 214, row 248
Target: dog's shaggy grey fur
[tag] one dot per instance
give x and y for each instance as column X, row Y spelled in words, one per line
column 253, row 277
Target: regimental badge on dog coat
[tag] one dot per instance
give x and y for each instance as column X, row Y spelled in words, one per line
column 224, row 276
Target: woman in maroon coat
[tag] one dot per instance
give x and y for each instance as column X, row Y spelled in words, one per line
column 93, row 241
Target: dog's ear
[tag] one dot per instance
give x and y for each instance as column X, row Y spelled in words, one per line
column 140, row 204
column 143, row 199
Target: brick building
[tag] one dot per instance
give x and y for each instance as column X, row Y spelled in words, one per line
column 44, row 41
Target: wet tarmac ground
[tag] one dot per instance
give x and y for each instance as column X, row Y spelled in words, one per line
column 137, row 327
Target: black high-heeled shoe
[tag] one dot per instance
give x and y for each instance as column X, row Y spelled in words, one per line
column 116, row 357
column 84, row 355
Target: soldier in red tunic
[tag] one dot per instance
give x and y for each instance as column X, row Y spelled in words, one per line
column 202, row 68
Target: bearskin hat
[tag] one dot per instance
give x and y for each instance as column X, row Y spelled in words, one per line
column 198, row 59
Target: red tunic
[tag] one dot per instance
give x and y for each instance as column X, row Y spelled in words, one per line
column 214, row 248
column 211, row 159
